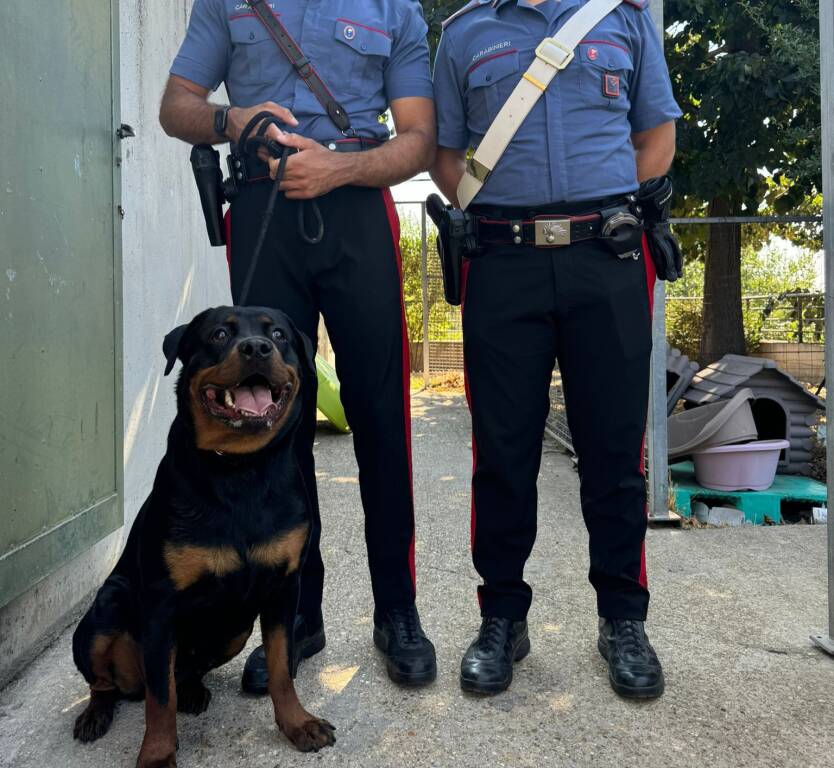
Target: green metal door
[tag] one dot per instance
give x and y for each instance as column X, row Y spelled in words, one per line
column 60, row 311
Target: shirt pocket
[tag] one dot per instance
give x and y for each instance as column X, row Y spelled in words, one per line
column 254, row 58
column 359, row 57
column 605, row 74
column 489, row 84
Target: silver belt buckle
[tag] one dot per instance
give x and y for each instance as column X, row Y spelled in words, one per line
column 552, row 232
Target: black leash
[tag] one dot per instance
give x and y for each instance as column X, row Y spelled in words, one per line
column 251, row 144
column 335, row 111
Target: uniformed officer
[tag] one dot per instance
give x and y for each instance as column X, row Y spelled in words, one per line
column 372, row 56
column 603, row 125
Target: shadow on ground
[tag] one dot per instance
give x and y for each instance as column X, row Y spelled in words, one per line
column 731, row 614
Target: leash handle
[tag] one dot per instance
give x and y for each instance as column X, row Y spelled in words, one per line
column 281, row 153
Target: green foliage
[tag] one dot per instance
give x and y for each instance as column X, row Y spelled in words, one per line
column 436, row 12
column 746, row 75
column 772, row 271
column 684, row 324
column 777, row 268
column 692, row 282
column 770, row 265
column 443, row 325
column 411, row 250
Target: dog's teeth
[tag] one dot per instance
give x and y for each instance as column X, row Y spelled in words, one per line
column 230, row 401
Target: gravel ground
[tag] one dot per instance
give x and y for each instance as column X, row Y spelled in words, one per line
column 731, row 613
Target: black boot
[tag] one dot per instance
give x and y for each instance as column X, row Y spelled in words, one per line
column 409, row 654
column 633, row 667
column 308, row 641
column 487, row 665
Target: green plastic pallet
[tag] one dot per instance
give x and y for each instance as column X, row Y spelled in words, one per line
column 756, row 505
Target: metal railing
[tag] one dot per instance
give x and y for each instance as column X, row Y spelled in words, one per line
column 798, row 318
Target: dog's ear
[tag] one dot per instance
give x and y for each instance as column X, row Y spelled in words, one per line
column 172, row 346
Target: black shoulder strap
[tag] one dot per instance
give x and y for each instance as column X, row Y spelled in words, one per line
column 278, row 32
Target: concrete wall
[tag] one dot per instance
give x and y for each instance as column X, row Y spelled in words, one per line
column 170, row 274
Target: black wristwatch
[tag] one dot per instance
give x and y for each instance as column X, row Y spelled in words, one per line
column 221, row 119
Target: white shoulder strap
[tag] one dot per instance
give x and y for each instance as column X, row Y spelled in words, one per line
column 552, row 56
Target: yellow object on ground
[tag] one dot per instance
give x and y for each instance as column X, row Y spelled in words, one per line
column 329, row 402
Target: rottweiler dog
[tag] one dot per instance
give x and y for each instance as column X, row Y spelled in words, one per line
column 219, row 541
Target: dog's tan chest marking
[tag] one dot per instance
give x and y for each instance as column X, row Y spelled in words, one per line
column 187, row 564
column 284, row 550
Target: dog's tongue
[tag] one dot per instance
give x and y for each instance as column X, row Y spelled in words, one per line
column 253, row 399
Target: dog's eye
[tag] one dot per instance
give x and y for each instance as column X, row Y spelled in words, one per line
column 220, row 335
column 278, row 335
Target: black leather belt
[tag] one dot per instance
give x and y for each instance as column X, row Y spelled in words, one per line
column 548, row 227
column 255, row 169
column 543, row 231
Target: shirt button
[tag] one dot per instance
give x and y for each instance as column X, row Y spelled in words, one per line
column 364, row 46
column 488, row 78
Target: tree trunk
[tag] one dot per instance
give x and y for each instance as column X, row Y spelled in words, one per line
column 723, row 328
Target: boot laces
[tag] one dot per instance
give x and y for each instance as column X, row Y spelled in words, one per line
column 631, row 638
column 406, row 624
column 492, row 634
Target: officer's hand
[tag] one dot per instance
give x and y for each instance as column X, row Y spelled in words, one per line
column 312, row 171
column 238, row 118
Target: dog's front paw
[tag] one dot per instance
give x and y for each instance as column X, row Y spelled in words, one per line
column 312, row 735
column 193, row 698
column 150, row 761
column 93, row 723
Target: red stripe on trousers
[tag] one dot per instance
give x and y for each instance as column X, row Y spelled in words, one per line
column 651, row 279
column 473, row 516
column 394, row 223
column 227, row 226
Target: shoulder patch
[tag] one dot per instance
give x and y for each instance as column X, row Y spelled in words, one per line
column 470, row 6
column 640, row 5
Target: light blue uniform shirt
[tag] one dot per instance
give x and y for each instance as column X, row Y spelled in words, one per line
column 369, row 54
column 576, row 143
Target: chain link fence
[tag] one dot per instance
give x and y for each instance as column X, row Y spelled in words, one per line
column 429, row 316
column 788, row 328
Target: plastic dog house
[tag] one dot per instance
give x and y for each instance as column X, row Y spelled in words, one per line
column 782, row 407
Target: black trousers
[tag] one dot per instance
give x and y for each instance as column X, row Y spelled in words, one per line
column 525, row 308
column 353, row 278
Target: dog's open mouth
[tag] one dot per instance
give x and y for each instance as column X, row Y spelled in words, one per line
column 252, row 402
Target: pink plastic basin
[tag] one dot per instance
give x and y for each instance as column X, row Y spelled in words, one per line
column 751, row 466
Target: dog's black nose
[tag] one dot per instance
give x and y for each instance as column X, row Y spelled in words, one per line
column 256, row 348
